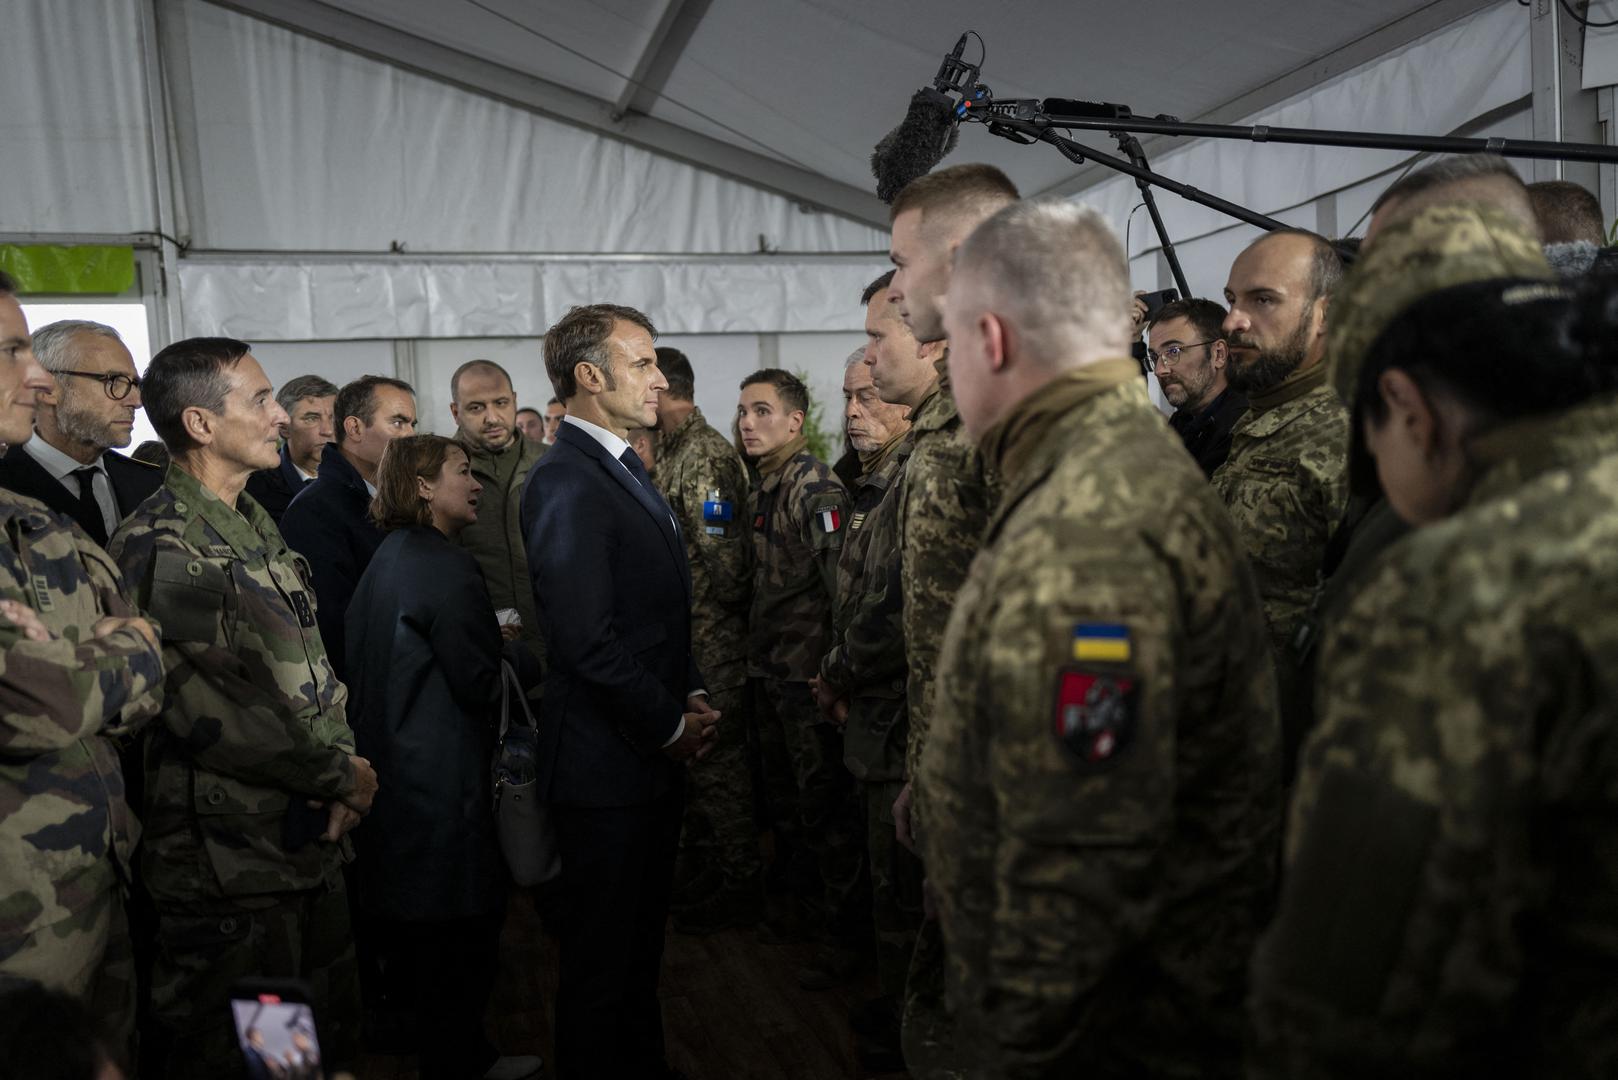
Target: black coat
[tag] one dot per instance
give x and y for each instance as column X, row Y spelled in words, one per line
column 131, row 480
column 329, row 524
column 274, row 489
column 1207, row 432
column 424, row 694
column 613, row 592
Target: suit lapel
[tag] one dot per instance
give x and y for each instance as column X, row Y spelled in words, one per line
column 648, row 500
column 28, row 477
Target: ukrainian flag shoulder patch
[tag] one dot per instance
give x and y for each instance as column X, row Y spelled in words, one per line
column 1101, row 641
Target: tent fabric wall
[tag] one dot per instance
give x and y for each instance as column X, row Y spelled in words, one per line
column 1432, row 86
column 309, row 299
column 302, row 146
column 78, row 146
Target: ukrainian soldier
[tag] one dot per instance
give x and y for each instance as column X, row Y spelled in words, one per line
column 702, row 477
column 1466, row 688
column 945, row 500
column 1102, row 777
column 251, row 777
column 798, row 510
column 1369, row 525
column 485, row 410
column 80, row 670
column 862, row 685
column 1286, row 479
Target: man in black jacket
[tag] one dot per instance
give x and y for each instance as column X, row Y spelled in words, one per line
column 1187, row 351
column 624, row 705
column 69, row 464
column 309, row 401
column 329, row 521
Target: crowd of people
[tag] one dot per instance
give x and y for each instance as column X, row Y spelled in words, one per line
column 1272, row 740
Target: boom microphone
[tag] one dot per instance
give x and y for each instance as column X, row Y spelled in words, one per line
column 920, row 142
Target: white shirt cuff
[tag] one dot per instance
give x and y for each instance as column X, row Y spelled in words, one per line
column 678, row 731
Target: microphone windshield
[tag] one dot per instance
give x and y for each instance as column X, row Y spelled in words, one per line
column 921, row 140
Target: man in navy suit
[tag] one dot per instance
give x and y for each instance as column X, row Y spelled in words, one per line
column 623, row 709
column 69, row 464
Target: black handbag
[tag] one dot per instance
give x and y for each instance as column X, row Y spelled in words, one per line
column 523, row 823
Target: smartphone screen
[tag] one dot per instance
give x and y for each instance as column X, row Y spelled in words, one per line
column 275, row 1028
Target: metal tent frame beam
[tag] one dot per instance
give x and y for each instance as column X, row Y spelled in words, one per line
column 378, row 41
column 651, row 72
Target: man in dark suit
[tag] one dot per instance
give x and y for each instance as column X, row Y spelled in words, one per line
column 309, row 401
column 68, row 464
column 623, row 707
column 329, row 522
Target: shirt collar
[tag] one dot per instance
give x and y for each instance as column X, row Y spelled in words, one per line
column 58, row 464
column 610, row 442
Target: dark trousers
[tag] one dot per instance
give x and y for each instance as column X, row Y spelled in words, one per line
column 617, row 877
column 451, row 966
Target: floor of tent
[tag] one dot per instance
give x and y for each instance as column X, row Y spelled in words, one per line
column 732, row 1009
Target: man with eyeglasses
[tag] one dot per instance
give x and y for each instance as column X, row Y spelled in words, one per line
column 1188, row 355
column 69, row 464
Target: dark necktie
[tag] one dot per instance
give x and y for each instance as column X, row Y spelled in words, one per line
column 637, row 469
column 89, row 514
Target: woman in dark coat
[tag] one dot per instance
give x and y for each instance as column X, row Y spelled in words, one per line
column 424, row 656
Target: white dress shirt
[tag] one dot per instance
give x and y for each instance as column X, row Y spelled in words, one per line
column 62, row 467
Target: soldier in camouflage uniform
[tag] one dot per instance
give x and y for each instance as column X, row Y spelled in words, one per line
column 702, row 477
column 945, row 499
column 798, row 511
column 1286, row 480
column 1102, row 777
column 862, row 683
column 1466, row 693
column 251, row 776
column 485, row 409
column 79, row 670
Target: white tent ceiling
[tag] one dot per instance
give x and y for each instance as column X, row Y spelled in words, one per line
column 810, row 85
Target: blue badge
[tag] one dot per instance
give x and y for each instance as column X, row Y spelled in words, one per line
column 718, row 510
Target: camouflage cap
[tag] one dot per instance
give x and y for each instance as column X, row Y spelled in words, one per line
column 1439, row 247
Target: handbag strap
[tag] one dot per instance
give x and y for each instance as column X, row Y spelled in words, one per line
column 509, row 683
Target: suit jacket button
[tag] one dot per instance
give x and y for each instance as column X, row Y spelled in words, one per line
column 227, row 925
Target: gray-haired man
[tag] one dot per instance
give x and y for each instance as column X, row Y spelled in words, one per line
column 309, row 401
column 69, row 464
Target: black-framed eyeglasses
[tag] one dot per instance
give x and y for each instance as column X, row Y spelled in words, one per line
column 117, row 386
column 1171, row 355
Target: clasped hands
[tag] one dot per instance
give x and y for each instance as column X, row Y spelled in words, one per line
column 701, row 731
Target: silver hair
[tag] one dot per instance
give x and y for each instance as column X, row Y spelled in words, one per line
column 53, row 344
column 295, row 390
column 1056, row 271
column 855, row 357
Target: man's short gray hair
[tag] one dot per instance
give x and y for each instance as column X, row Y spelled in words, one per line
column 1056, row 270
column 1481, row 178
column 855, row 357
column 53, row 344
column 295, row 390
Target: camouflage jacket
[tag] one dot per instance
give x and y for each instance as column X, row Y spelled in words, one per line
column 705, row 483
column 252, row 721
column 797, row 509
column 65, row 830
column 944, row 505
column 1286, row 484
column 1102, row 779
column 495, row 539
column 866, row 663
column 1452, row 875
